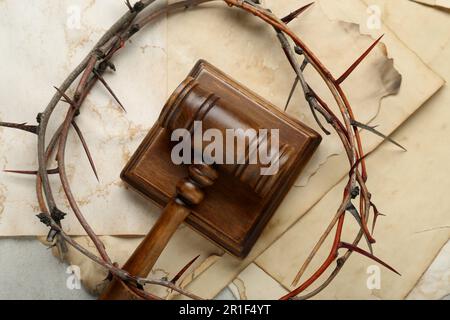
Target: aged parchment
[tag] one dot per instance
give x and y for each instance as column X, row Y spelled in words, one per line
column 253, row 61
column 438, row 3
column 404, row 185
column 42, row 41
column 414, row 73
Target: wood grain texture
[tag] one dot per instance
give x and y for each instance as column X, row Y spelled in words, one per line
column 240, row 204
column 234, row 212
column 188, row 193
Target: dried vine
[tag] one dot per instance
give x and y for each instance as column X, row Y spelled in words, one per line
column 91, row 70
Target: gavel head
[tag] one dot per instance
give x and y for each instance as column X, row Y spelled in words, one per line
column 257, row 149
column 226, row 136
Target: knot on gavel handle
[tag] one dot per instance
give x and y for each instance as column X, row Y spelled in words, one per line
column 189, row 190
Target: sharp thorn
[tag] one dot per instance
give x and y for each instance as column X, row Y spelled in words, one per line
column 86, row 149
column 102, row 80
column 294, row 86
column 357, row 163
column 376, row 215
column 357, row 62
column 21, row 126
column 32, row 172
column 128, row 4
column 65, row 96
column 378, row 133
column 182, row 271
column 353, row 248
column 291, row 16
column 354, row 212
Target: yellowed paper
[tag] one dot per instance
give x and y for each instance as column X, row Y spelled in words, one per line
column 415, row 74
column 439, row 3
column 254, row 57
column 242, row 47
column 404, row 187
column 42, row 41
column 300, row 198
column 254, row 284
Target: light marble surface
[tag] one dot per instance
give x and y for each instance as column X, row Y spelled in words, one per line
column 435, row 283
column 393, row 108
column 29, row 271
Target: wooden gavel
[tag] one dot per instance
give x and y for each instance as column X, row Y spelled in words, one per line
column 140, row 264
column 209, row 96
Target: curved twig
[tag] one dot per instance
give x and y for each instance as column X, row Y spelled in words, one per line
column 90, row 71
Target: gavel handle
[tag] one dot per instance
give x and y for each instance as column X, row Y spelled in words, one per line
column 144, row 258
column 147, row 253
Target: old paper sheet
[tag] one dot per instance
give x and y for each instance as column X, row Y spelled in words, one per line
column 248, row 285
column 259, row 71
column 404, row 186
column 42, row 41
column 438, row 3
column 414, row 73
column 253, row 61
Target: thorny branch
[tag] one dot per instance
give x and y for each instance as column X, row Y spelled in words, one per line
column 98, row 61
